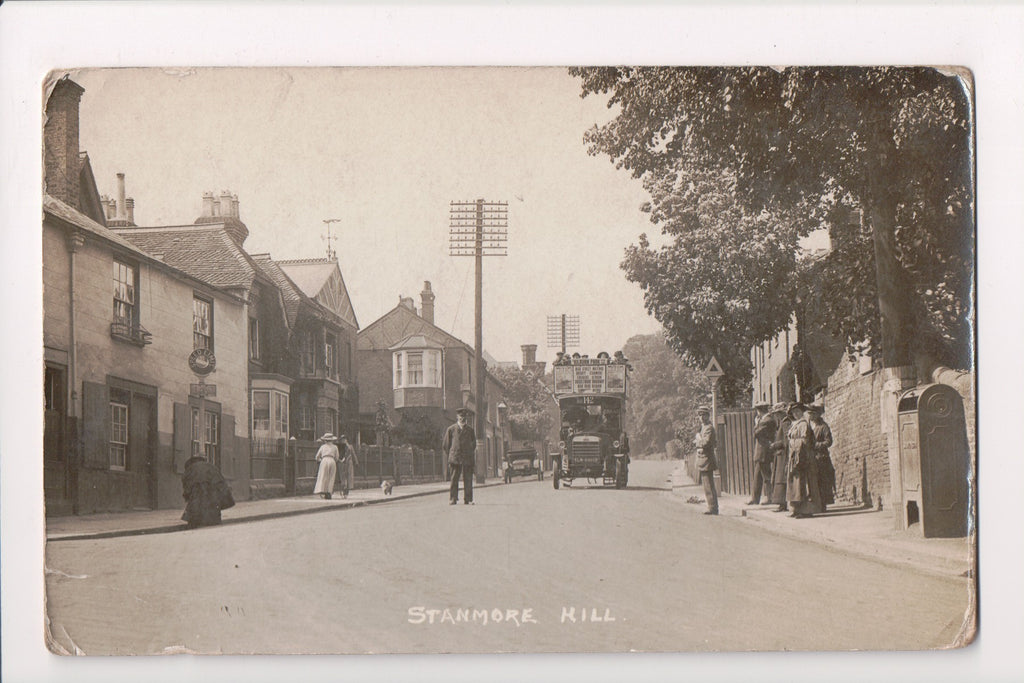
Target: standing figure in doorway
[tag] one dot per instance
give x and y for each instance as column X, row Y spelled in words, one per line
column 327, row 455
column 459, row 444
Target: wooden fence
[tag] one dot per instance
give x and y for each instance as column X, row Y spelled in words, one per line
column 735, row 451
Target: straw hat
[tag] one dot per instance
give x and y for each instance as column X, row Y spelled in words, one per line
column 328, row 437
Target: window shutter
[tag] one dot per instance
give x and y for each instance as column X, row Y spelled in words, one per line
column 182, row 436
column 95, row 425
column 227, row 446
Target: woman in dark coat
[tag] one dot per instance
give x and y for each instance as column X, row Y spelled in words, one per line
column 205, row 493
column 822, row 444
column 780, row 457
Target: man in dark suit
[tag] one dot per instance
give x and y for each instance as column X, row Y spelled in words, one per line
column 764, row 433
column 706, row 461
column 459, row 444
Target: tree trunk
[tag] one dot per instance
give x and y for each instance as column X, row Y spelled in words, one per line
column 894, row 295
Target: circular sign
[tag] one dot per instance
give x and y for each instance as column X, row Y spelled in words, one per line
column 202, row 361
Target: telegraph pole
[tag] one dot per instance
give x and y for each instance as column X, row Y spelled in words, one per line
column 478, row 228
column 331, row 254
column 564, row 331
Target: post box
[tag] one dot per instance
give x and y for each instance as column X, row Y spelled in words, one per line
column 934, row 461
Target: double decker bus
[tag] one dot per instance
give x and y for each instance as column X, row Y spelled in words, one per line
column 591, row 395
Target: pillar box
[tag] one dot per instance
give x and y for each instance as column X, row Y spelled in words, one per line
column 934, row 461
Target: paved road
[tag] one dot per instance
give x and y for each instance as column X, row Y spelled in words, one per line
column 513, row 572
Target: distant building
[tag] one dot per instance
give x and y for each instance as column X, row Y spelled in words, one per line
column 424, row 374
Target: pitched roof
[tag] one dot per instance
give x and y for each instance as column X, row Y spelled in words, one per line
column 58, row 209
column 289, row 290
column 205, row 252
column 416, row 341
column 321, row 280
column 309, row 274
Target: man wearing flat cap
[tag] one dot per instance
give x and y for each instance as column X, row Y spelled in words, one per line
column 706, row 462
column 764, row 433
column 459, row 444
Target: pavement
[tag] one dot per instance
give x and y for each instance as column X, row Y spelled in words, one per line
column 844, row 528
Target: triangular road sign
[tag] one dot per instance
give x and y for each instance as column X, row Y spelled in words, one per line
column 713, row 370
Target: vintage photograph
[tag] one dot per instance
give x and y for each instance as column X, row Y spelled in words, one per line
column 496, row 359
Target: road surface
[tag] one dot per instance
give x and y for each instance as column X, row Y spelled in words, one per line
column 526, row 569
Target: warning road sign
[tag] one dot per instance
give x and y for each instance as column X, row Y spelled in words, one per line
column 713, row 370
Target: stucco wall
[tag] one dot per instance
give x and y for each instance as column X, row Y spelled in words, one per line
column 165, row 310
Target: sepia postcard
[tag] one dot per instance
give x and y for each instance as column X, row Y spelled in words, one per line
column 553, row 361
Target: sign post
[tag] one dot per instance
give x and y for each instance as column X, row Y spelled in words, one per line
column 202, row 362
column 714, row 372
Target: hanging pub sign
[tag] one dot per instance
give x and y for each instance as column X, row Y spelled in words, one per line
column 202, row 361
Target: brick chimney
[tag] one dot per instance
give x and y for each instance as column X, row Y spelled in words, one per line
column 427, row 303
column 408, row 302
column 529, row 354
column 60, row 141
column 224, row 209
column 120, row 211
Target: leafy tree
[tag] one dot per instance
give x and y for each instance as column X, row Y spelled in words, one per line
column 663, row 394
column 532, row 411
column 742, row 163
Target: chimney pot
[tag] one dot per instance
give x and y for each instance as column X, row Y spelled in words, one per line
column 129, row 205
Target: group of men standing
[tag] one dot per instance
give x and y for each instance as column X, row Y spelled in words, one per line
column 792, row 465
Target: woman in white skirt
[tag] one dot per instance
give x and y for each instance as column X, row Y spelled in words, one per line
column 327, row 456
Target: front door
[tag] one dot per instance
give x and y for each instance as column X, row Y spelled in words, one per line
column 56, row 478
column 141, row 450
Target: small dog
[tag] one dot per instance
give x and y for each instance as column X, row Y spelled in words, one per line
column 386, row 487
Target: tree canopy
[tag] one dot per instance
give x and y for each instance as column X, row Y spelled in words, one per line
column 663, row 394
column 532, row 411
column 743, row 163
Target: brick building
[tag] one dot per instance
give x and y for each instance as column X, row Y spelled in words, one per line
column 424, row 374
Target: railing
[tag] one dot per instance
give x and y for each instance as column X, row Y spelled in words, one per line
column 267, row 458
column 291, row 467
column 123, row 328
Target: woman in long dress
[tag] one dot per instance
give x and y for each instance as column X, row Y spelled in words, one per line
column 327, row 455
column 803, row 469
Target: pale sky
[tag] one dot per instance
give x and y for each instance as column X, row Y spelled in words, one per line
column 384, row 151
